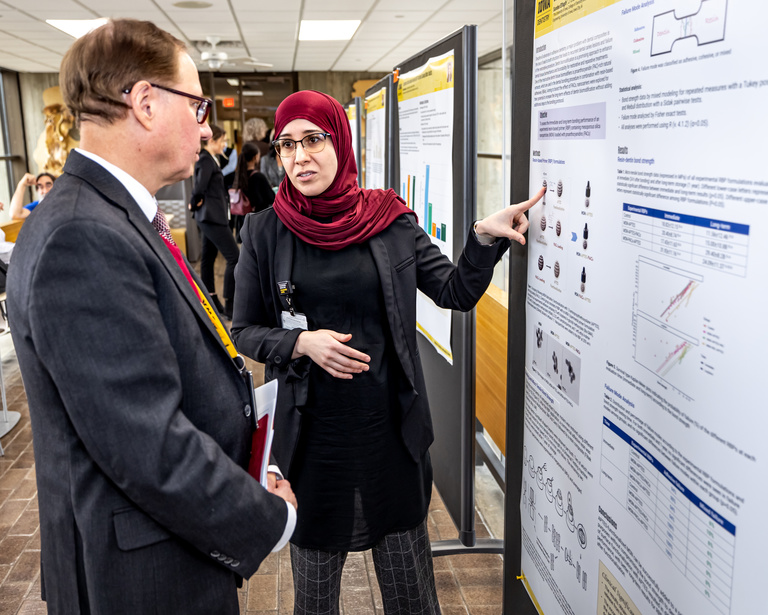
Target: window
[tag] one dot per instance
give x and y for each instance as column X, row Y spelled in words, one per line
column 12, row 153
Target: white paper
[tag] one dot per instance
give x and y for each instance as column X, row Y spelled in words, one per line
column 375, row 139
column 266, row 403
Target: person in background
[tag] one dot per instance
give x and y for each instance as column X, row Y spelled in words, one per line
column 141, row 416
column 252, row 182
column 326, row 299
column 228, row 163
column 255, row 131
column 43, row 183
column 6, row 249
column 271, row 167
column 210, row 204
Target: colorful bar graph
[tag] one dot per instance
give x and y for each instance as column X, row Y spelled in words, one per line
column 427, row 204
column 408, row 194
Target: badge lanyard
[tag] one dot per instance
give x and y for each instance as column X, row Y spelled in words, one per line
column 237, row 359
column 290, row 318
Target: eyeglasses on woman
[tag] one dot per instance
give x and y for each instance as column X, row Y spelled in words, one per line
column 312, row 144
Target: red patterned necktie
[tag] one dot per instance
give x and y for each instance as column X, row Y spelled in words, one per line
column 161, row 224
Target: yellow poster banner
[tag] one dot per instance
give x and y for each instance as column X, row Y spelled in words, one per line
column 554, row 14
column 376, row 101
column 436, row 75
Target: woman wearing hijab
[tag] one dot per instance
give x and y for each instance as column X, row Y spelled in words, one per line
column 326, row 299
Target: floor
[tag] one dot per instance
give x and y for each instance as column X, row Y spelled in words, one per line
column 467, row 584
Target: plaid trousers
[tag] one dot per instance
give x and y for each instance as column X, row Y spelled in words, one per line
column 403, row 564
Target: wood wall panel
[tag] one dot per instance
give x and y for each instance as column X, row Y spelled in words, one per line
column 11, row 229
column 491, row 365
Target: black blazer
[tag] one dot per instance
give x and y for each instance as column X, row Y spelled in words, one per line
column 209, row 187
column 139, row 417
column 406, row 260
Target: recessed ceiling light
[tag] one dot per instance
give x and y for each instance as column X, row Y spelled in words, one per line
column 233, row 82
column 192, row 4
column 327, row 29
column 76, row 27
column 253, row 93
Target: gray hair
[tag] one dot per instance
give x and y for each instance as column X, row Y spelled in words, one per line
column 255, row 129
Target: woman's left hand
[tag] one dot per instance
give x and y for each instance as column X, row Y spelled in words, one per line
column 330, row 351
column 509, row 222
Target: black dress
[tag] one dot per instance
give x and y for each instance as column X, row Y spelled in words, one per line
column 353, row 477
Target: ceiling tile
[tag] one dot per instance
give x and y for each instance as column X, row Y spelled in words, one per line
column 403, row 17
column 269, row 20
column 406, row 6
column 465, row 17
column 489, row 5
column 266, row 6
column 337, row 5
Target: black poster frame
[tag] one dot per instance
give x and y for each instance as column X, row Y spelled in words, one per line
column 451, row 388
column 516, row 598
column 390, row 103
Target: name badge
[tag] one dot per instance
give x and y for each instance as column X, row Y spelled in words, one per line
column 294, row 321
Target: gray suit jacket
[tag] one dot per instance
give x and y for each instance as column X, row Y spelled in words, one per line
column 406, row 260
column 138, row 414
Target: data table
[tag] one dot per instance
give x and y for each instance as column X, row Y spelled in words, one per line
column 716, row 244
column 698, row 541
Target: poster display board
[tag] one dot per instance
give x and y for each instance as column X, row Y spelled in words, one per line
column 378, row 134
column 354, row 115
column 644, row 477
column 450, row 385
column 425, row 115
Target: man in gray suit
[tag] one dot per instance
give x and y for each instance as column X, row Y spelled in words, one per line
column 141, row 417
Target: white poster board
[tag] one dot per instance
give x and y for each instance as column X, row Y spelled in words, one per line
column 644, row 488
column 354, row 128
column 375, row 139
column 425, row 113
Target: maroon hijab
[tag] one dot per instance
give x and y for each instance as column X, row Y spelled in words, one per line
column 356, row 215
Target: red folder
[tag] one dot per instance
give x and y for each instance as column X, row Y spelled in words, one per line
column 266, row 400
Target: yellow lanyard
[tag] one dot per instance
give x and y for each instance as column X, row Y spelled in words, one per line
column 236, row 358
column 216, row 323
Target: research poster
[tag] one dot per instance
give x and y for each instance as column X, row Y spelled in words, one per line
column 645, row 459
column 425, row 112
column 375, row 139
column 353, row 126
